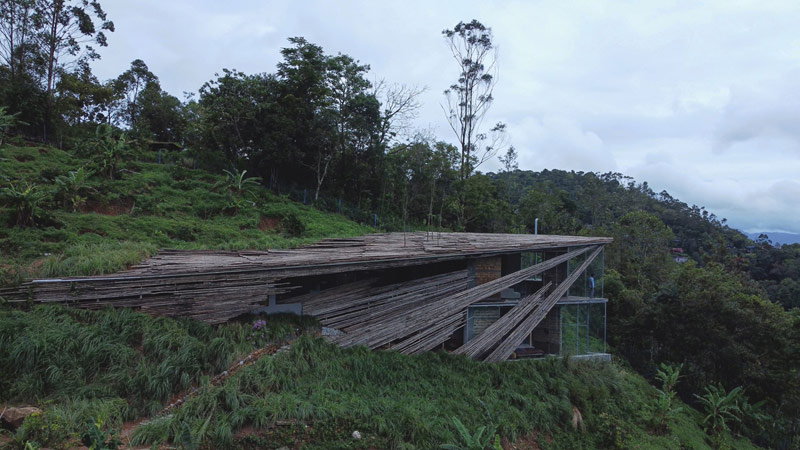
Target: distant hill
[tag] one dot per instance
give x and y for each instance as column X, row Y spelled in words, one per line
column 778, row 238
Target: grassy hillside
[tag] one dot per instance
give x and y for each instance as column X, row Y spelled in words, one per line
column 104, row 224
column 97, row 372
column 103, row 376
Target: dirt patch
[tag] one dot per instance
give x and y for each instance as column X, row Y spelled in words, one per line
column 112, row 208
column 269, row 223
column 23, row 158
column 36, row 265
column 43, row 151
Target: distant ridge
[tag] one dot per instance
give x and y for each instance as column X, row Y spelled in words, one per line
column 778, row 238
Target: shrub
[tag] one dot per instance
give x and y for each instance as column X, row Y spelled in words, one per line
column 71, row 188
column 26, row 200
column 292, row 225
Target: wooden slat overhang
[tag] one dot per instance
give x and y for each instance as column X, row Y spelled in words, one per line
column 215, row 286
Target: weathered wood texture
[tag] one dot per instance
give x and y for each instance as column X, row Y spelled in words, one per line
column 211, row 298
column 406, row 327
column 373, row 251
column 512, row 341
column 484, row 342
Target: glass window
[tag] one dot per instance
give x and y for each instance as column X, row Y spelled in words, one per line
column 583, row 328
column 529, row 259
column 590, row 283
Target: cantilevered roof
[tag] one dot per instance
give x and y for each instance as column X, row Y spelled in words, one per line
column 372, row 251
column 217, row 285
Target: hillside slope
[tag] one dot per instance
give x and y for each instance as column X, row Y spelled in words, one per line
column 95, row 373
column 88, row 223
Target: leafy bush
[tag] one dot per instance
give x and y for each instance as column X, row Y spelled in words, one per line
column 26, row 200
column 7, row 121
column 722, row 408
column 667, row 406
column 292, row 225
column 71, row 188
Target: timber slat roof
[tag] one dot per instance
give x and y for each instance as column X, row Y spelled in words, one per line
column 368, row 249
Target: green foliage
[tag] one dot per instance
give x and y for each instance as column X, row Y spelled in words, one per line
column 396, row 401
column 666, row 407
column 162, row 207
column 26, row 201
column 481, row 439
column 97, row 438
column 292, row 225
column 43, row 430
column 71, row 188
column 110, row 152
column 239, row 184
column 721, row 408
column 7, row 122
column 777, row 270
column 61, row 353
column 641, row 249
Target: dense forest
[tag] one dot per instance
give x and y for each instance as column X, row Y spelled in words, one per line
column 688, row 295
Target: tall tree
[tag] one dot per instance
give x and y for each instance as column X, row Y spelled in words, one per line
column 469, row 98
column 66, row 34
column 16, row 33
column 129, row 85
column 399, row 106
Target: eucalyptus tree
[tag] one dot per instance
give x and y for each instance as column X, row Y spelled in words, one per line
column 469, row 98
column 67, row 32
column 16, row 34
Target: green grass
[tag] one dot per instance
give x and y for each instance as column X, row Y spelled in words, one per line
column 154, row 206
column 114, row 365
column 118, row 365
column 324, row 393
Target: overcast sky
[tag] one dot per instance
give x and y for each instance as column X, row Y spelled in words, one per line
column 702, row 100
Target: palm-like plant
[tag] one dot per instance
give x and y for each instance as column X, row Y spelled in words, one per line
column 665, row 408
column 25, row 199
column 107, row 150
column 114, row 150
column 722, row 408
column 70, row 187
column 239, row 184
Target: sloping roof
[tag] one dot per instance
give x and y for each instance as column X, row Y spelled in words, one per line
column 372, row 251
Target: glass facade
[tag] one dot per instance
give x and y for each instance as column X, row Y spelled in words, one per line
column 575, row 326
column 528, row 259
column 590, row 283
column 583, row 328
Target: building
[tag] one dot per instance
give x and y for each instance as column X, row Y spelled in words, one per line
column 489, row 296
